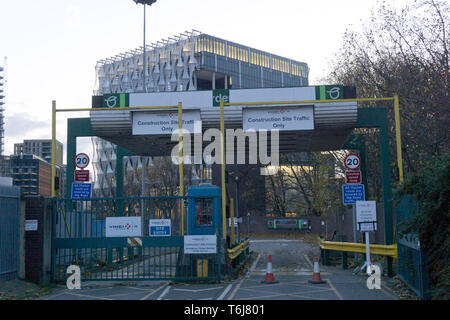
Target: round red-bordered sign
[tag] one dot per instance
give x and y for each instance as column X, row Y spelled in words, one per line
column 352, row 162
column 81, row 160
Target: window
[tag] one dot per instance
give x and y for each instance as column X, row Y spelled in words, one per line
column 203, row 212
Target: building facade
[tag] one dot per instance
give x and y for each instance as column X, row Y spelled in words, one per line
column 33, row 174
column 41, row 148
column 2, row 109
column 5, row 166
column 185, row 62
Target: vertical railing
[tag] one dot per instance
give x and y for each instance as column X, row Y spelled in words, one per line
column 9, row 232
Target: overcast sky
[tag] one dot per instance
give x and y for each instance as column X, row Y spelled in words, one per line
column 52, row 45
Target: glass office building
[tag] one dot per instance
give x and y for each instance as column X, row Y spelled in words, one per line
column 185, row 62
column 197, row 61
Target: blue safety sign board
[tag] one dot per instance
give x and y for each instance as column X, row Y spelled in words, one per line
column 352, row 193
column 159, row 227
column 81, row 190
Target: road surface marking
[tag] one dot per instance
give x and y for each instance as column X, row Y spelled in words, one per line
column 153, row 291
column 196, row 290
column 164, row 293
column 307, row 260
column 334, row 289
column 88, row 296
column 224, row 293
column 246, row 276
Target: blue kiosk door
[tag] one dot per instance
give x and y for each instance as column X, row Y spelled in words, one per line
column 204, row 206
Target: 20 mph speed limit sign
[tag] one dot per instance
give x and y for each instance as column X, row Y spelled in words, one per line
column 352, row 162
column 81, row 160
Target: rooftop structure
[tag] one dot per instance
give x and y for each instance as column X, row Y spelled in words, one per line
column 41, row 148
column 197, row 61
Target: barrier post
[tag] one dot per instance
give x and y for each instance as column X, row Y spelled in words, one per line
column 232, row 221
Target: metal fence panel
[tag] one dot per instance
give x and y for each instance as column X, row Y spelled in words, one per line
column 80, row 239
column 412, row 268
column 9, row 232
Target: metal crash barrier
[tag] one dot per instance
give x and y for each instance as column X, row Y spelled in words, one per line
column 235, row 252
column 344, row 247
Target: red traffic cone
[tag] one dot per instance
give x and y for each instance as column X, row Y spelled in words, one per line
column 269, row 274
column 316, row 274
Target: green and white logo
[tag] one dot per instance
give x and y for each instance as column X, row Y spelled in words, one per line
column 115, row 100
column 220, row 94
column 333, row 92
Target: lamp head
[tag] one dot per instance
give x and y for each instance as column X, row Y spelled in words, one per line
column 144, row 2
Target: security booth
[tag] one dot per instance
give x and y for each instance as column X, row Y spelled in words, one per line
column 202, row 246
column 204, row 206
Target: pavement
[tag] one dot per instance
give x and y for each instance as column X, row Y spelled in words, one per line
column 292, row 268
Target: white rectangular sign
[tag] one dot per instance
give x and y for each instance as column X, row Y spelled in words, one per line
column 164, row 122
column 366, row 215
column 31, row 225
column 123, row 227
column 200, row 244
column 159, row 227
column 281, row 118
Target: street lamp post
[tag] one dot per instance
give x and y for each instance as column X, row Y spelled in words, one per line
column 144, row 80
column 144, row 84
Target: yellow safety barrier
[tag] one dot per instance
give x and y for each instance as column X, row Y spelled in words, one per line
column 237, row 250
column 379, row 249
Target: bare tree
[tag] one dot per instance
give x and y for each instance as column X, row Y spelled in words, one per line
column 406, row 52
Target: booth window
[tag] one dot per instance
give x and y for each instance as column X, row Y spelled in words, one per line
column 203, row 212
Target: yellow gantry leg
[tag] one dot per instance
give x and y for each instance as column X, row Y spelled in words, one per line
column 53, row 194
column 398, row 138
column 222, row 147
column 180, row 163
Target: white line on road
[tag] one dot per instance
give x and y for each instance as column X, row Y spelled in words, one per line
column 196, row 290
column 224, row 293
column 246, row 276
column 153, row 292
column 307, row 260
column 164, row 293
column 334, row 289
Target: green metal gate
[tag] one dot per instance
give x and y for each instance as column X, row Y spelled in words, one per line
column 79, row 238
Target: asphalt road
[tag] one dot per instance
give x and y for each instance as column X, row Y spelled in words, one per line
column 292, row 263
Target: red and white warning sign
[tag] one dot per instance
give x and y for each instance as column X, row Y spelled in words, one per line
column 352, row 161
column 352, row 176
column 81, row 160
column 81, row 175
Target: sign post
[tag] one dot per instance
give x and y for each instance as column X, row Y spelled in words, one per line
column 353, row 191
column 366, row 218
